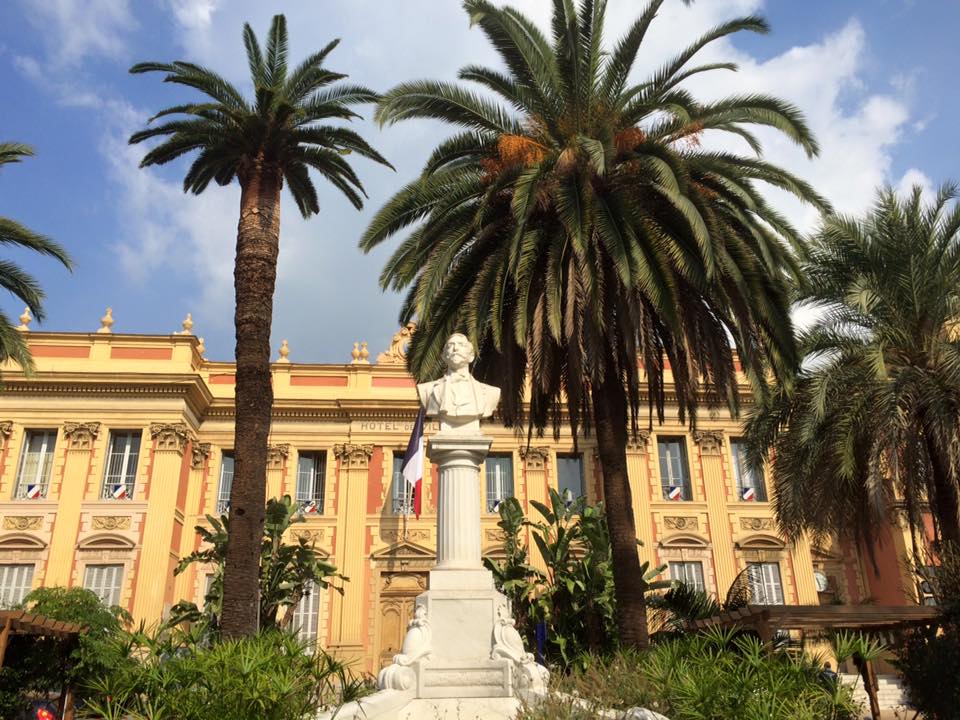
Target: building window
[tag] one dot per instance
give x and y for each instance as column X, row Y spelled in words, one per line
column 674, row 471
column 570, row 476
column 121, row 471
column 306, row 616
column 15, row 583
column 311, row 473
column 105, row 581
column 688, row 573
column 401, row 492
column 750, row 485
column 499, row 480
column 36, row 464
column 765, row 585
column 226, row 482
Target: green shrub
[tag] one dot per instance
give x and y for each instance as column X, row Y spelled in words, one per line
column 711, row 676
column 266, row 677
column 41, row 666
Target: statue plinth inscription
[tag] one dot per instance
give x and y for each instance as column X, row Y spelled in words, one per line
column 462, row 637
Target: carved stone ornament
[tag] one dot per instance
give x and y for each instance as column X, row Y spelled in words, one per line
column 416, row 646
column 640, row 443
column 756, row 524
column 111, row 522
column 200, row 452
column 353, row 455
column 710, row 441
column 508, row 645
column 80, row 436
column 535, row 457
column 395, row 535
column 171, row 436
column 677, row 522
column 30, row 522
column 310, row 536
column 396, row 354
column 6, row 430
column 276, row 454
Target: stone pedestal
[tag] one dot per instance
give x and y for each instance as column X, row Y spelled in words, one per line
column 462, row 642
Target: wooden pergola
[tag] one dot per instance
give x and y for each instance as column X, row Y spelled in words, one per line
column 20, row 622
column 765, row 619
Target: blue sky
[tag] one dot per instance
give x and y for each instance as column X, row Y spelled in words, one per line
column 875, row 78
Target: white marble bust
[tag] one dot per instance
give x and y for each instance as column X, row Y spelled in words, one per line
column 457, row 399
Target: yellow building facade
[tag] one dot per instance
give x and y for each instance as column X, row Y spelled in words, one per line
column 120, row 445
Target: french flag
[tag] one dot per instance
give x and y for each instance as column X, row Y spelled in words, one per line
column 412, row 468
column 749, row 494
column 119, row 492
column 675, row 493
column 33, row 492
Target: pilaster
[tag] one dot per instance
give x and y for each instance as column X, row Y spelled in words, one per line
column 79, row 439
column 535, row 460
column 199, row 469
column 711, row 445
column 638, row 473
column 347, row 610
column 158, row 556
column 277, row 458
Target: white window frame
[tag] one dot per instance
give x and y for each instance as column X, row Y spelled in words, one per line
column 766, row 583
column 667, row 469
column 688, row 572
column 499, row 483
column 41, row 473
column 561, row 461
column 311, row 485
column 16, row 581
column 120, row 467
column 306, row 617
column 105, row 581
column 401, row 494
column 746, row 478
column 223, row 488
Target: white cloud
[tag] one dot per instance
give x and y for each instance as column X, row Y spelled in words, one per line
column 912, row 178
column 73, row 30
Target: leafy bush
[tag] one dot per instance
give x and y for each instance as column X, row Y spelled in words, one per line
column 265, row 677
column 288, row 572
column 717, row 675
column 44, row 665
column 928, row 660
column 574, row 598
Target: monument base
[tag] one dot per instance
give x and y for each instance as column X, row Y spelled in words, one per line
column 462, row 643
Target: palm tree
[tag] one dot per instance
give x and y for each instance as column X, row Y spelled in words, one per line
column 12, row 344
column 872, row 422
column 575, row 224
column 275, row 138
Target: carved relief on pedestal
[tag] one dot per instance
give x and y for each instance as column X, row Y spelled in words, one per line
column 171, row 436
column 111, row 522
column 677, row 522
column 80, row 436
column 535, row 457
column 710, row 441
column 200, row 453
column 353, row 455
column 755, row 524
column 21, row 522
column 276, row 454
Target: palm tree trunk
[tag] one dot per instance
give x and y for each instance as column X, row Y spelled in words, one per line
column 946, row 504
column 610, row 415
column 255, row 272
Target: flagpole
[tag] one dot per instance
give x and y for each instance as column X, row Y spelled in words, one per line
column 406, row 509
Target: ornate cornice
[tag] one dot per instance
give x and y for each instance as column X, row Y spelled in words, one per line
column 171, row 436
column 710, row 441
column 352, row 455
column 276, row 454
column 535, row 458
column 80, row 436
column 200, row 452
